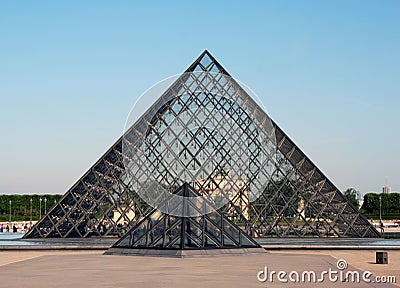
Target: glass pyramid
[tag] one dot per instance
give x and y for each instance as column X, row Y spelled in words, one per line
column 266, row 185
column 164, row 231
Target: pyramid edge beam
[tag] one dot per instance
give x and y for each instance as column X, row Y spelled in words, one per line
column 284, row 135
column 76, row 183
column 115, row 144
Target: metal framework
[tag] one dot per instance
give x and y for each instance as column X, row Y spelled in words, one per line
column 165, row 231
column 206, row 132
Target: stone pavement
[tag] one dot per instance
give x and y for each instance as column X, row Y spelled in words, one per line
column 83, row 269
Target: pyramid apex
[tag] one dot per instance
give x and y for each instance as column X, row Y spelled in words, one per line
column 206, row 63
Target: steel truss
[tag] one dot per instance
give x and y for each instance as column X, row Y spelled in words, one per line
column 274, row 188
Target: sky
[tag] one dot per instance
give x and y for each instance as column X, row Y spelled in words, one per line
column 328, row 72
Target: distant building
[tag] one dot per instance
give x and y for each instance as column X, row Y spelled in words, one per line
column 360, row 199
column 386, row 189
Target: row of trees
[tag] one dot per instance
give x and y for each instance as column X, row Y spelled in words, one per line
column 21, row 206
column 386, row 205
column 389, row 204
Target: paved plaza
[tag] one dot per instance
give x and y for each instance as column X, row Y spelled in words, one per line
column 92, row 269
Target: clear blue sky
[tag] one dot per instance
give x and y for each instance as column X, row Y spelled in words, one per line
column 328, row 73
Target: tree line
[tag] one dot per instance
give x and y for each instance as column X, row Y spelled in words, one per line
column 389, row 204
column 376, row 204
column 21, row 206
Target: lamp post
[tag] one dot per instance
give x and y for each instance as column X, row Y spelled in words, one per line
column 9, row 220
column 45, row 207
column 380, row 208
column 40, row 208
column 30, row 223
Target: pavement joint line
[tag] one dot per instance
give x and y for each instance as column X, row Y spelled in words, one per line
column 20, row 260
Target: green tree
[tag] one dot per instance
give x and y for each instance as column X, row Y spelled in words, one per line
column 389, row 204
column 351, row 195
column 371, row 204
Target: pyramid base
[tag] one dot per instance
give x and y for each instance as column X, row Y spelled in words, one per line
column 173, row 253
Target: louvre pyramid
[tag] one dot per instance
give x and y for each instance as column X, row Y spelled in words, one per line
column 281, row 192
